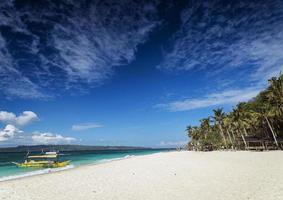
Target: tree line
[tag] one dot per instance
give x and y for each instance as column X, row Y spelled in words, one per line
column 260, row 119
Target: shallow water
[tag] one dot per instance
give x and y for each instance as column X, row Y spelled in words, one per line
column 10, row 171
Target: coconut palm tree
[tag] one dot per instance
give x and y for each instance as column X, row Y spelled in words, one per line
column 218, row 119
column 238, row 124
column 265, row 113
column 227, row 124
column 205, row 126
column 189, row 130
column 274, row 94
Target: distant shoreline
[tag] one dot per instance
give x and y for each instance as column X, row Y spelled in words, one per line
column 67, row 148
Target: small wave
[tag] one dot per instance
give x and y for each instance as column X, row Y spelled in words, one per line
column 33, row 173
column 114, row 159
column 108, row 160
column 129, row 156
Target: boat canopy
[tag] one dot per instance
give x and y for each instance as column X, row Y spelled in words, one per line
column 44, row 156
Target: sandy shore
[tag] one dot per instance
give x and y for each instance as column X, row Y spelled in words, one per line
column 173, row 175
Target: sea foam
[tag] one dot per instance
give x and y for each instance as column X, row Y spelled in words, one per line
column 36, row 172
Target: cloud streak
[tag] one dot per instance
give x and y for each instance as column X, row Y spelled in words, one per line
column 228, row 97
column 85, row 126
column 220, row 36
column 68, row 44
column 235, row 44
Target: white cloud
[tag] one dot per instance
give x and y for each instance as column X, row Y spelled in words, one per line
column 50, row 138
column 221, row 37
column 7, row 116
column 173, row 143
column 69, row 44
column 215, row 99
column 85, row 126
column 23, row 119
column 9, row 132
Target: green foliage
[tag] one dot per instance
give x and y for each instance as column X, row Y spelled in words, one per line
column 214, row 139
column 261, row 118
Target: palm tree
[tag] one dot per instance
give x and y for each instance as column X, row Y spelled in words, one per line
column 237, row 123
column 245, row 116
column 189, row 130
column 273, row 109
column 205, row 126
column 274, row 94
column 218, row 119
column 227, row 123
column 194, row 134
column 265, row 113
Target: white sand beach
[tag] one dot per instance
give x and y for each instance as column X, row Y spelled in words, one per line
column 172, row 175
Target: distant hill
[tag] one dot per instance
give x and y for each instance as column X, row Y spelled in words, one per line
column 65, row 148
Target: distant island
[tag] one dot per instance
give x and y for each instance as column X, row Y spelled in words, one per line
column 37, row 148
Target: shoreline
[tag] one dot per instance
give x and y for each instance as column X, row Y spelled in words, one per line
column 166, row 176
column 71, row 167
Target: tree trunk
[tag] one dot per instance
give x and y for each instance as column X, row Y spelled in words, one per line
column 222, row 133
column 229, row 135
column 269, row 125
column 244, row 141
column 245, row 130
column 233, row 134
column 263, row 146
column 234, row 138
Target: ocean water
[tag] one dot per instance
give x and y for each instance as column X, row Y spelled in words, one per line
column 9, row 171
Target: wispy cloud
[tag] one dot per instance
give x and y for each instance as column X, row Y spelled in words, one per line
column 237, row 43
column 68, row 44
column 13, row 82
column 219, row 36
column 85, row 126
column 228, row 97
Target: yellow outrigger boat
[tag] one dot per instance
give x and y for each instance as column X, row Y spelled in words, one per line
column 45, row 160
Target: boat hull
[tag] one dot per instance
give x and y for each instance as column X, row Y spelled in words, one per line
column 43, row 164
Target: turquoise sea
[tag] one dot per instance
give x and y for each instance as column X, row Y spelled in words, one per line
column 10, row 171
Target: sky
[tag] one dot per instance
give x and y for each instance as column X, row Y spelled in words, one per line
column 130, row 72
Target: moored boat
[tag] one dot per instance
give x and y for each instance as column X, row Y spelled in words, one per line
column 44, row 160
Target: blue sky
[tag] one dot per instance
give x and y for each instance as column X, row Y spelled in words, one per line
column 130, row 73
